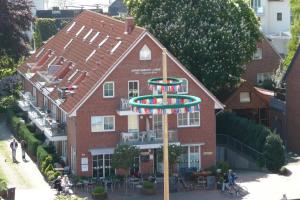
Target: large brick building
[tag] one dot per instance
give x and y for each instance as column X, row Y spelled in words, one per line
column 76, row 90
column 292, row 80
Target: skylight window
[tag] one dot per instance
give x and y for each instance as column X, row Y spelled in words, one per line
column 52, row 61
column 74, row 73
column 93, row 52
column 68, row 43
column 73, row 24
column 39, row 53
column 103, row 41
column 87, row 35
column 93, row 38
column 80, row 30
column 115, row 47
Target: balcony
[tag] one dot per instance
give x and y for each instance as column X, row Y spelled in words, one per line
column 53, row 130
column 124, row 108
column 148, row 139
column 25, row 98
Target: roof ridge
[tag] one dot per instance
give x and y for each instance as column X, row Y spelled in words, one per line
column 111, row 18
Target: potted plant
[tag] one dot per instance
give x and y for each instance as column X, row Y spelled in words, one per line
column 3, row 188
column 99, row 193
column 148, row 188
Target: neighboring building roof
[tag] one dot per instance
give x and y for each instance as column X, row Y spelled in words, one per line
column 262, row 94
column 61, row 14
column 73, row 60
column 297, row 53
column 117, row 7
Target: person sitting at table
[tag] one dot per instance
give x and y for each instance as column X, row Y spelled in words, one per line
column 57, row 184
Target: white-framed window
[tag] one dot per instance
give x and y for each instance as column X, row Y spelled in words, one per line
column 188, row 119
column 245, row 97
column 258, row 54
column 145, row 53
column 102, row 123
column 190, row 157
column 133, row 89
column 157, row 125
column 261, row 77
column 108, row 89
column 184, row 87
column 133, row 123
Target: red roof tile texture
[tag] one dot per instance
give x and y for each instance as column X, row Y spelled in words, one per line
column 66, row 47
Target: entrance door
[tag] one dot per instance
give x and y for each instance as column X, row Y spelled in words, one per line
column 157, row 126
column 102, row 166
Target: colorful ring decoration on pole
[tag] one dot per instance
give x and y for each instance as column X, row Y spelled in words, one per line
column 153, row 104
column 172, row 84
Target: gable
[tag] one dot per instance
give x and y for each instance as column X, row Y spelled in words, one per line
column 256, row 99
column 294, row 63
column 131, row 65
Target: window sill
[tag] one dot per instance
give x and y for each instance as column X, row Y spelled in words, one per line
column 188, row 126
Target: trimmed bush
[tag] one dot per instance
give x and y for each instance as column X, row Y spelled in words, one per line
column 99, row 193
column 274, row 152
column 48, row 168
column 48, row 160
column 41, row 153
column 148, row 185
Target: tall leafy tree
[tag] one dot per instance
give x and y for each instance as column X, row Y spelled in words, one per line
column 15, row 19
column 295, row 32
column 212, row 38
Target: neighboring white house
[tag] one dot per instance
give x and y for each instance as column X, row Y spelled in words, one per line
column 275, row 19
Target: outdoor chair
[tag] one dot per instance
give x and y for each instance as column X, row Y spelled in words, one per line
column 186, row 187
column 201, row 182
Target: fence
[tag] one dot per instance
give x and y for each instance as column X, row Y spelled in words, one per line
column 228, row 141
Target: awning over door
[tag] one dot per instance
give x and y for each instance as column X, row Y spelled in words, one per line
column 100, row 151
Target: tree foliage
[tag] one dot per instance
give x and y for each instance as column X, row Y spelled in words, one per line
column 295, row 32
column 15, row 19
column 212, row 38
column 46, row 28
column 174, row 154
column 274, row 152
column 123, row 157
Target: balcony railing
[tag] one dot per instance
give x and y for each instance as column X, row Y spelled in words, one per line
column 147, row 137
column 48, row 125
column 124, row 104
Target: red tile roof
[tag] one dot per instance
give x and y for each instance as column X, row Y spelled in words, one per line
column 66, row 47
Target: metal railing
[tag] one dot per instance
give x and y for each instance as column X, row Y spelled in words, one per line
column 147, row 137
column 228, row 141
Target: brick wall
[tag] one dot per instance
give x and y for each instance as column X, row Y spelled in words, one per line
column 269, row 63
column 96, row 105
column 293, row 107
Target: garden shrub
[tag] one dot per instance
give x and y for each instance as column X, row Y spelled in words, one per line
column 48, row 168
column 224, row 166
column 274, row 152
column 99, row 192
column 148, row 185
column 41, row 153
column 45, row 163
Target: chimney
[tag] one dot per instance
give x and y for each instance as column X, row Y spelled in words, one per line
column 129, row 25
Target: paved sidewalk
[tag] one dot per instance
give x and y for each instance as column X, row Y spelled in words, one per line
column 25, row 176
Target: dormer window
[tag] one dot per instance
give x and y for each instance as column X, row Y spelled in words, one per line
column 145, row 53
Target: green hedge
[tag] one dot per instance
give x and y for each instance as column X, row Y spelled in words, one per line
column 243, row 129
column 254, row 135
column 21, row 131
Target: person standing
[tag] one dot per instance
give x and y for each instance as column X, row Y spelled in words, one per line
column 14, row 145
column 23, row 147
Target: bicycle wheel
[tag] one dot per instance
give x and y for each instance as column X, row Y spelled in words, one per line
column 242, row 191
